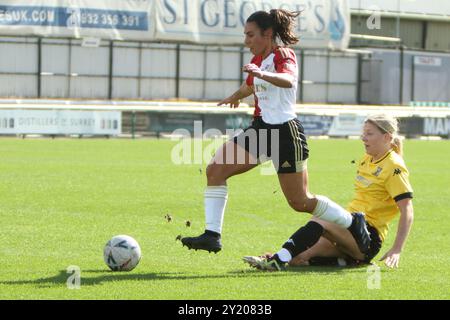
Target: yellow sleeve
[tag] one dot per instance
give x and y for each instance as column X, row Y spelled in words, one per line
column 397, row 183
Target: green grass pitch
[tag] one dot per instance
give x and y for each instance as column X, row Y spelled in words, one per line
column 61, row 200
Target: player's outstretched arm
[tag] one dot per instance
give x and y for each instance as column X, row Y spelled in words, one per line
column 282, row 80
column 392, row 257
column 234, row 100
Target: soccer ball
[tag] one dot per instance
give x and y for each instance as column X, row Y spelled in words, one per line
column 122, row 253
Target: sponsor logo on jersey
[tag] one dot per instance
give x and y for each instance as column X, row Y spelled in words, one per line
column 365, row 182
column 260, row 88
column 377, row 172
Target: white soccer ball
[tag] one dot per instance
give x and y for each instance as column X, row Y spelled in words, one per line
column 122, row 253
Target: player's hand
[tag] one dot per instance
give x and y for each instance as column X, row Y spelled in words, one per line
column 391, row 258
column 253, row 69
column 232, row 102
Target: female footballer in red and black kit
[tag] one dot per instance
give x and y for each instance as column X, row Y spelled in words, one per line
column 272, row 78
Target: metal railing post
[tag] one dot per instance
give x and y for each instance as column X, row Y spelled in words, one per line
column 133, row 124
column 39, row 67
column 177, row 72
column 359, row 79
column 401, row 67
column 110, row 75
column 302, row 75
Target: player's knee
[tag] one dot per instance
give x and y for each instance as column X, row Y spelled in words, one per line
column 317, row 220
column 301, row 204
column 298, row 204
column 211, row 171
column 325, row 225
column 215, row 172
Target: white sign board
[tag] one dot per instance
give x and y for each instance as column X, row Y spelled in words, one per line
column 91, row 42
column 113, row 19
column 427, row 61
column 322, row 24
column 60, row 122
column 347, row 125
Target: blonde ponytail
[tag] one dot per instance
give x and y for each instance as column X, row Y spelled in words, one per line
column 397, row 145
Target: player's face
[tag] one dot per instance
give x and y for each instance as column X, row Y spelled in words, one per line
column 257, row 40
column 375, row 141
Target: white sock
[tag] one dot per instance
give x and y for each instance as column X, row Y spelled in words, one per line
column 284, row 255
column 215, row 202
column 332, row 212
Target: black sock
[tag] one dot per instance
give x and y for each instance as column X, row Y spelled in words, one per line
column 304, row 238
column 212, row 233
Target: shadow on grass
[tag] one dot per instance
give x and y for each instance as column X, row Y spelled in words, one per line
column 307, row 270
column 104, row 276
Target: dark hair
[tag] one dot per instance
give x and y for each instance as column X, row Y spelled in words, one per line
column 281, row 21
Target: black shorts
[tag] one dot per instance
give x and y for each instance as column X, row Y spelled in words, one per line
column 285, row 144
column 375, row 243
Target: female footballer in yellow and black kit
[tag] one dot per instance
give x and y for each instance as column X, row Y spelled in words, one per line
column 382, row 189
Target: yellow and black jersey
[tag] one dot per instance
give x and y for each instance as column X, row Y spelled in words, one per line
column 378, row 186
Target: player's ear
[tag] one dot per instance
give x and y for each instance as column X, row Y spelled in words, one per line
column 268, row 33
column 387, row 137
